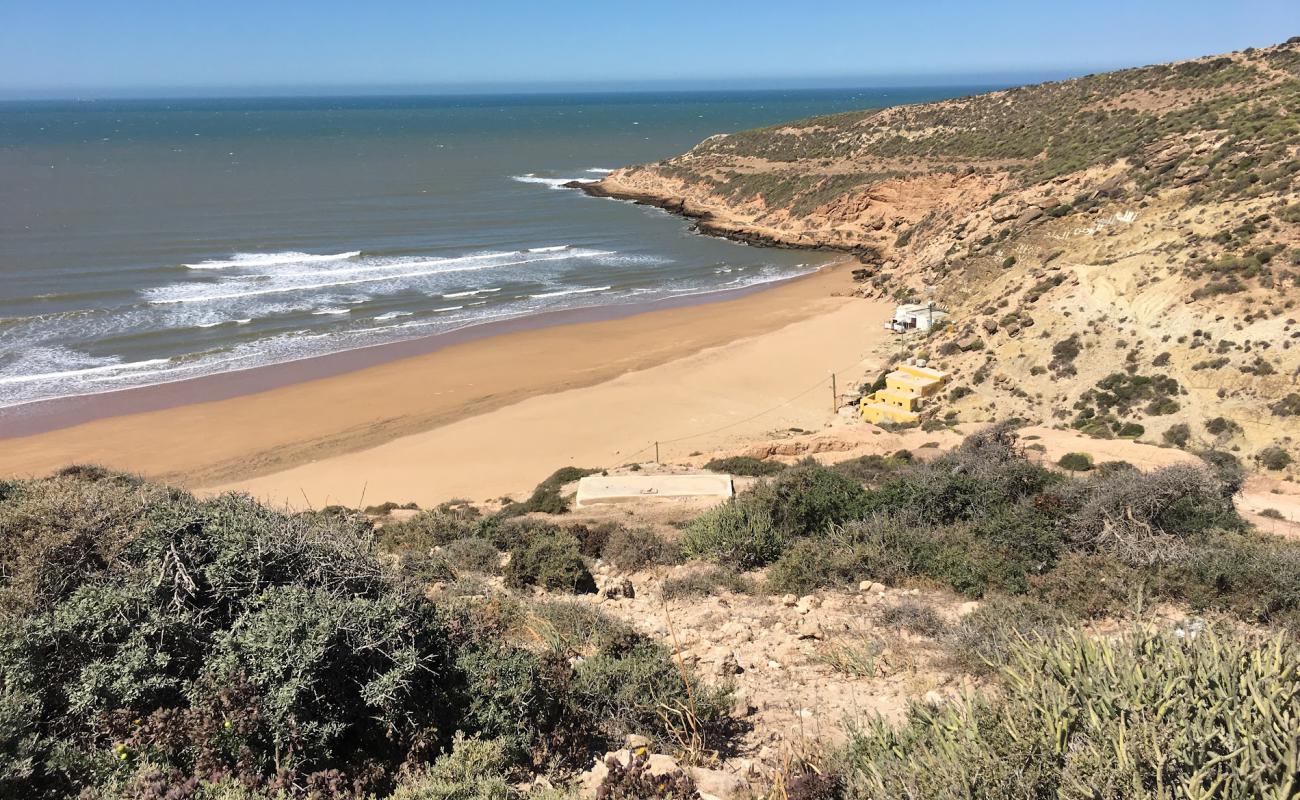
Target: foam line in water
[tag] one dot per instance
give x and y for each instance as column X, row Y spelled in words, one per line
column 470, row 293
column 572, row 291
column 271, row 259
column 439, row 268
column 68, row 373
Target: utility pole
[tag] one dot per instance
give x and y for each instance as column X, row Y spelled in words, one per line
column 835, row 396
column 656, row 452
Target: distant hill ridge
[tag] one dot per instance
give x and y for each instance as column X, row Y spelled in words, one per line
column 1142, row 222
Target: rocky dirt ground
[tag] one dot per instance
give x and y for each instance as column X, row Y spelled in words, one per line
column 803, row 666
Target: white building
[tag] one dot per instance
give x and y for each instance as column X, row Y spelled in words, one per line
column 916, row 317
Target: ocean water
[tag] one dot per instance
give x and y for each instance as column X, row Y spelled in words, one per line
column 151, row 241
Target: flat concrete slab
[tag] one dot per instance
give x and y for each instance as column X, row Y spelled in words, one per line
column 595, row 489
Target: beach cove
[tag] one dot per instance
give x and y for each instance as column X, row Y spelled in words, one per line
column 495, row 415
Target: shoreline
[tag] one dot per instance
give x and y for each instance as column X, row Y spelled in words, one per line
column 247, row 435
column 52, row 414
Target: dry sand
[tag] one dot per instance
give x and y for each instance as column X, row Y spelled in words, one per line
column 496, row 415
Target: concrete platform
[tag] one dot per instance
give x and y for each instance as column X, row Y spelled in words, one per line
column 595, row 489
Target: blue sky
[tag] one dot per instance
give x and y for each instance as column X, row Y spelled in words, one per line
column 124, row 47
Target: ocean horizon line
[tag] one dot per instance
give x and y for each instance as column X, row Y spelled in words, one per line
column 974, row 80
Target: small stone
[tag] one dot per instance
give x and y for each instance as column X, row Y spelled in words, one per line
column 810, row 629
column 636, row 741
column 741, row 707
column 728, row 665
column 718, row 783
column 789, row 600
column 933, row 698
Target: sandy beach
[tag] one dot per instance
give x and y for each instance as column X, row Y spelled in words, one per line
column 493, row 416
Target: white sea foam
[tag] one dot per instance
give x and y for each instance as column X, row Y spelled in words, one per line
column 555, row 248
column 206, row 293
column 447, row 308
column 393, row 315
column 332, row 311
column 600, row 170
column 554, row 183
column 470, row 293
column 68, row 373
column 571, row 291
column 271, row 259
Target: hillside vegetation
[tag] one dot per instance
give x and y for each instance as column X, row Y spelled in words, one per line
column 153, row 644
column 1121, row 252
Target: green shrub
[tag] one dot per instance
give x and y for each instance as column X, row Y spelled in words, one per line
column 592, row 538
column 739, row 533
column 1090, row 586
column 507, row 533
column 1130, row 430
column 745, row 465
column 1075, row 462
column 808, row 565
column 1084, row 717
column 572, row 628
column 203, row 634
column 475, row 769
column 151, row 642
column 473, row 555
column 546, row 497
column 871, row 468
column 702, row 583
column 1221, row 425
column 640, row 690
column 549, row 561
column 980, row 643
column 913, row 617
column 429, row 529
column 1252, row 575
column 987, row 471
column 808, row 498
column 1273, row 458
column 631, row 549
column 1177, row 435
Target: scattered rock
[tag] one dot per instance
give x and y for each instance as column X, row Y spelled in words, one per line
column 809, row 628
column 718, row 783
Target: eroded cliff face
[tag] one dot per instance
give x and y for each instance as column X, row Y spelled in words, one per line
column 1120, row 253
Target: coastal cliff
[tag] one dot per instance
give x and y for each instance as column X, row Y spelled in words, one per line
column 1120, row 252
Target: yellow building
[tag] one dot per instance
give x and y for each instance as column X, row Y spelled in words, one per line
column 904, row 389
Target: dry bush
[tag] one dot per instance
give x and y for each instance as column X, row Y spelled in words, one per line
column 1143, row 518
